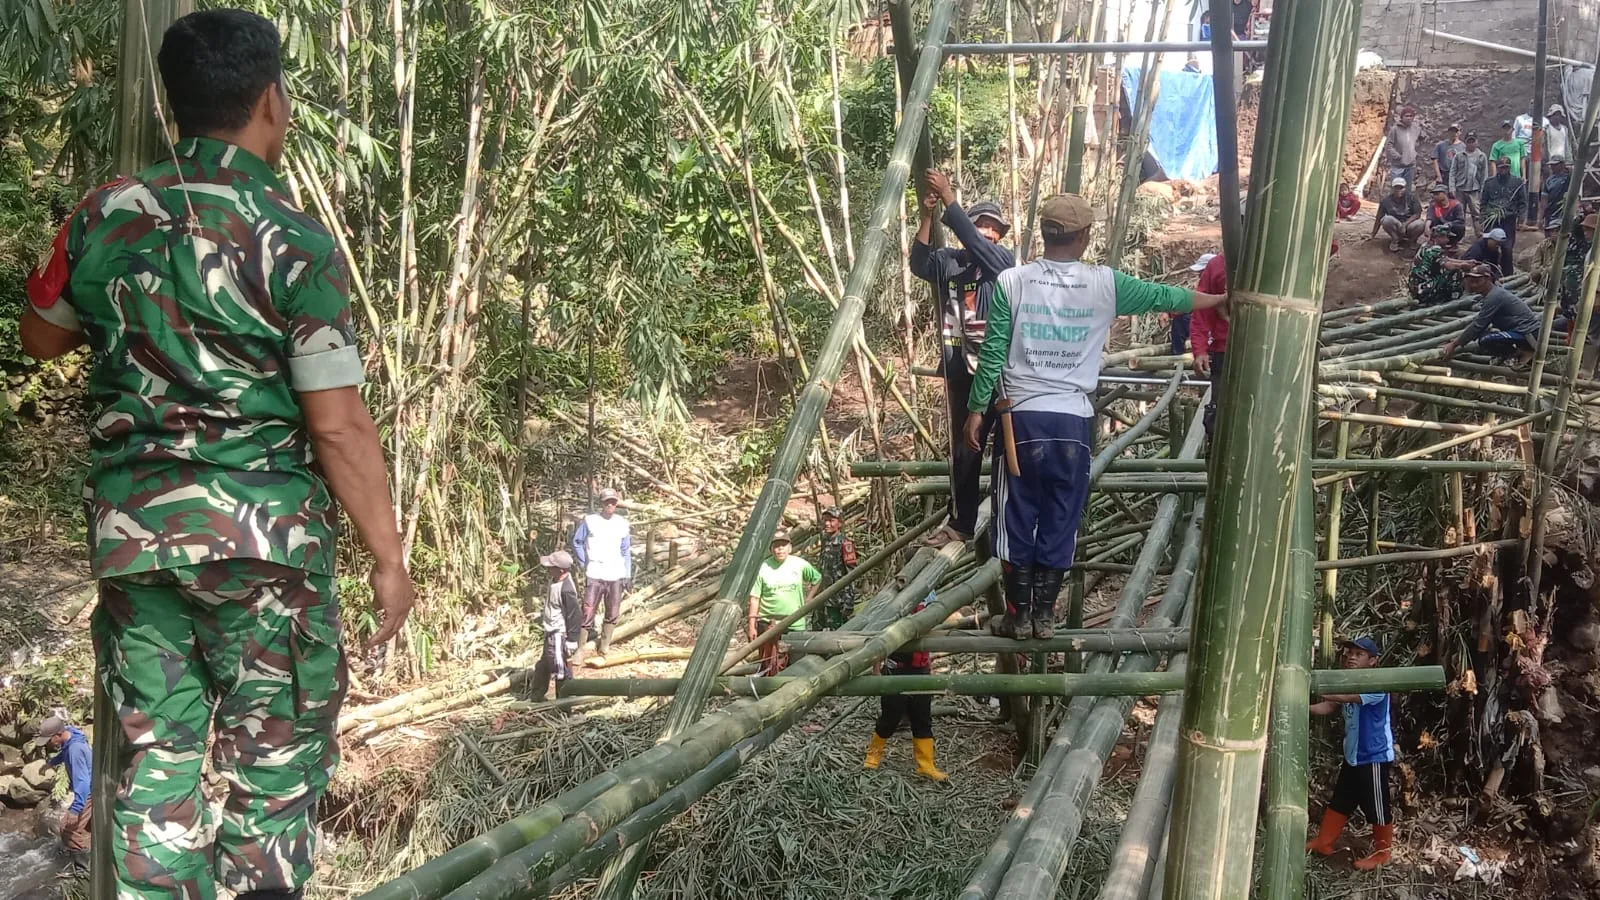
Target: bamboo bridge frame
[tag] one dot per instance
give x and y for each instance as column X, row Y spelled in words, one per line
column 1227, row 644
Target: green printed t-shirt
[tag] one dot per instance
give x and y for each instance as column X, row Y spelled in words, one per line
column 781, row 588
column 1513, row 150
column 209, row 300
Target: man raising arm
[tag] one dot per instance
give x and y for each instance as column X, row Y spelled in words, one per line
column 1048, row 323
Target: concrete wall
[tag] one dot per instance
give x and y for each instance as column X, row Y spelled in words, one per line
column 1394, row 30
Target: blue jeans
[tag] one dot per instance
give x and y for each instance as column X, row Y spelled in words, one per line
column 1180, row 334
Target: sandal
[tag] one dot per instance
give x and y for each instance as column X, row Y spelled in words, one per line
column 943, row 536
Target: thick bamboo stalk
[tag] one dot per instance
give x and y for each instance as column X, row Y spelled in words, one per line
column 1134, row 859
column 726, row 610
column 1374, row 391
column 1283, row 863
column 1262, row 447
column 650, row 618
column 870, row 564
column 1475, row 434
column 1095, row 684
column 521, row 872
column 1098, row 640
column 1353, row 562
column 1132, row 483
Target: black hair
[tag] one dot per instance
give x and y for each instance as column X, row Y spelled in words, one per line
column 216, row 64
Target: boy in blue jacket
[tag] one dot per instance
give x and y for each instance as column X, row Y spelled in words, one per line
column 1368, row 755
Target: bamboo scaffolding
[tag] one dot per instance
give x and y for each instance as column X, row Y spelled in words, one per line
column 1271, row 371
column 987, row 879
column 1330, row 577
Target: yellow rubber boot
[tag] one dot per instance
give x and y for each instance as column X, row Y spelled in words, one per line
column 874, row 752
column 922, row 748
column 1382, row 841
column 1327, row 834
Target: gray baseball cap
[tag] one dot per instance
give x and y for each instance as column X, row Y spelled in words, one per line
column 609, row 494
column 560, row 559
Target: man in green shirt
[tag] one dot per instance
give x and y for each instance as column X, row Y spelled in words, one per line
column 1048, row 323
column 228, row 421
column 1509, row 148
column 783, row 584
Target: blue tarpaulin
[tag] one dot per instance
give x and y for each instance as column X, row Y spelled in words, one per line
column 1183, row 128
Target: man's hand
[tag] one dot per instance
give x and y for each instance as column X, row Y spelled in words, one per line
column 940, row 185
column 750, row 629
column 393, row 595
column 1202, row 363
column 973, row 429
column 930, row 201
column 1450, row 348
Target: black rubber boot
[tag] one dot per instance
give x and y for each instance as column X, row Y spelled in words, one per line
column 1046, row 589
column 1019, row 601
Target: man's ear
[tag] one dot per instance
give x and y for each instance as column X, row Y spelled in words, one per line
column 273, row 106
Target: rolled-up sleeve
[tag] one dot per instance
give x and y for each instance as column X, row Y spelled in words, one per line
column 320, row 339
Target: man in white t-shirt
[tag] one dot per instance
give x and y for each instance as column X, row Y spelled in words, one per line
column 602, row 545
column 1048, row 323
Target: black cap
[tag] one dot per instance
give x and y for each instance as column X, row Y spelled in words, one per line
column 988, row 209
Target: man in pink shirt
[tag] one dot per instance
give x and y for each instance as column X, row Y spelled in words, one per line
column 1208, row 330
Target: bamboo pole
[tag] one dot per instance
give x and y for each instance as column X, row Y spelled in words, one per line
column 726, row 610
column 1283, row 864
column 1133, row 162
column 1533, row 556
column 1226, row 102
column 1569, row 216
column 1097, row 684
column 1170, row 466
column 1330, row 577
column 1262, row 445
column 1408, row 556
column 1084, row 640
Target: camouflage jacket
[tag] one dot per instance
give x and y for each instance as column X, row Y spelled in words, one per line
column 208, row 299
column 1430, row 282
column 836, row 558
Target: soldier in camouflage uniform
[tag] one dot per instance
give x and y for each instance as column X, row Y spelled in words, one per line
column 228, row 421
column 836, row 558
column 1432, row 282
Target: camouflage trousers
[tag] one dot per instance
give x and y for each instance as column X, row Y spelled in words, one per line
column 248, row 654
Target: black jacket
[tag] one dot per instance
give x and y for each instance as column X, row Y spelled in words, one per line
column 963, row 281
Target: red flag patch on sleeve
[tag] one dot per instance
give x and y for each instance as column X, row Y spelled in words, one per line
column 48, row 283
